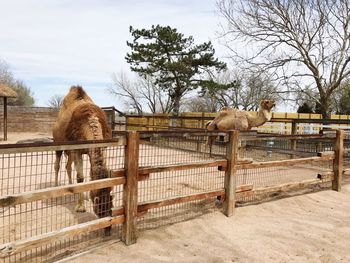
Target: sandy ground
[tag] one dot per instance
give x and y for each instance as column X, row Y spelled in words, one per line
column 14, row 137
column 307, row 228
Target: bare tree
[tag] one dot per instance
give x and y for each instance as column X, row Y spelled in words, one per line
column 303, row 42
column 141, row 94
column 247, row 90
column 25, row 96
column 205, row 103
column 55, row 101
column 6, row 76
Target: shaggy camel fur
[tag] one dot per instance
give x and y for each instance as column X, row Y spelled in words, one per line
column 79, row 119
column 234, row 119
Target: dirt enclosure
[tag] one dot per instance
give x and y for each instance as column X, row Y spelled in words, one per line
column 266, row 229
column 306, row 228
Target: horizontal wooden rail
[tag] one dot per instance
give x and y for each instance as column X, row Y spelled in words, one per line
column 178, row 167
column 200, row 118
column 279, row 150
column 276, row 137
column 48, row 147
column 143, row 207
column 290, row 162
column 285, row 187
column 346, row 171
column 118, row 173
column 117, row 211
column 11, row 248
column 53, row 192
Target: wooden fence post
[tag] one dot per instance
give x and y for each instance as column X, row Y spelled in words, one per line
column 338, row 160
column 293, row 145
column 130, row 188
column 230, row 174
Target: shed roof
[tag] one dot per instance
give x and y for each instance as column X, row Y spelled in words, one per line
column 6, row 91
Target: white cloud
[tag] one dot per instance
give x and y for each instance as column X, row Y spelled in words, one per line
column 54, row 44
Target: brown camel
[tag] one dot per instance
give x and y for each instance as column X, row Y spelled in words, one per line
column 234, row 119
column 79, row 119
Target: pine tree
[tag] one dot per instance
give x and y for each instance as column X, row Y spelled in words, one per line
column 175, row 62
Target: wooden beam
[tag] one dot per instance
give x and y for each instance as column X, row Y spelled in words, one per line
column 284, row 187
column 338, row 164
column 145, row 206
column 284, row 162
column 57, row 146
column 5, row 119
column 326, row 153
column 14, row 247
column 53, row 192
column 285, row 137
column 117, row 173
column 118, row 211
column 230, row 174
column 178, row 167
column 142, row 207
column 244, row 188
column 240, row 161
column 130, row 187
column 346, row 171
column 279, row 150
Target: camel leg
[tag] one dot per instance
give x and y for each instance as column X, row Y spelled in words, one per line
column 69, row 167
column 78, row 163
column 57, row 165
column 211, row 140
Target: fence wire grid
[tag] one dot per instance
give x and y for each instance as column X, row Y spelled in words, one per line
column 23, row 172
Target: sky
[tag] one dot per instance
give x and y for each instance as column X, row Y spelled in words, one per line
column 54, row 44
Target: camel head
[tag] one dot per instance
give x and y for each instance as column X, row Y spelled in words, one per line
column 101, row 198
column 102, row 202
column 267, row 104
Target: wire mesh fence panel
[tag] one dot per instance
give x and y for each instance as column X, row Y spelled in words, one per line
column 167, row 150
column 167, row 185
column 32, row 171
column 179, row 183
column 195, row 189
column 171, row 150
column 283, row 148
column 280, row 149
column 176, row 213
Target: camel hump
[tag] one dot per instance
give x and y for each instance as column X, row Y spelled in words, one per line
column 81, row 116
column 78, row 92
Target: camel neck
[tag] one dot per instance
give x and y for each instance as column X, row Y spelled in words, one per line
column 262, row 117
column 97, row 162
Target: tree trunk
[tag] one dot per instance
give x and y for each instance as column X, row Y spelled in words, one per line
column 176, row 102
column 324, row 108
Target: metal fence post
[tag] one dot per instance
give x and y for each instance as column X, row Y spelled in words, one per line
column 338, row 160
column 230, row 174
column 130, row 188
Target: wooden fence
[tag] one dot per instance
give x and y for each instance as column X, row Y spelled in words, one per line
column 282, row 123
column 133, row 172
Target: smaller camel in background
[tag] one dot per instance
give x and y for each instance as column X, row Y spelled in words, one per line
column 234, row 119
column 79, row 119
